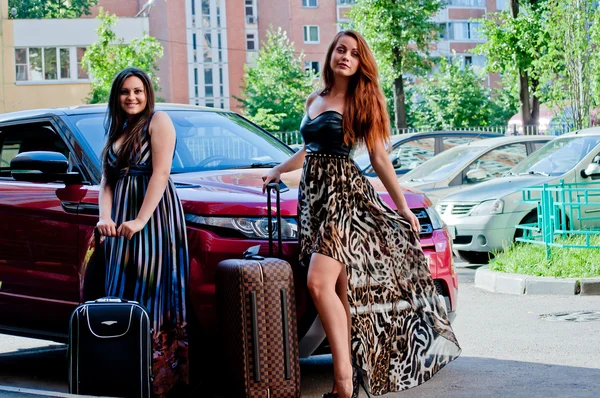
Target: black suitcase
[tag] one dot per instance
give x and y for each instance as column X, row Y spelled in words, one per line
column 256, row 311
column 110, row 349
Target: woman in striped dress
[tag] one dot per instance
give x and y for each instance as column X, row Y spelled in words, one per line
column 140, row 213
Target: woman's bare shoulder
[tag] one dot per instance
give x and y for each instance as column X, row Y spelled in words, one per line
column 312, row 97
column 160, row 120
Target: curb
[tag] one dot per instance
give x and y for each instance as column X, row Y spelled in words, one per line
column 501, row 282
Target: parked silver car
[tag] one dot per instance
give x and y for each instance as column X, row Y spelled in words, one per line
column 484, row 216
column 408, row 151
column 469, row 164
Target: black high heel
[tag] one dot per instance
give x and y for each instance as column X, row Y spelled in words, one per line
column 357, row 380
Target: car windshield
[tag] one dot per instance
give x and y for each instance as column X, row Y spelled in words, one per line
column 205, row 141
column 442, row 165
column 558, row 156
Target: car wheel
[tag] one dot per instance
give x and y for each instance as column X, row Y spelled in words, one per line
column 475, row 257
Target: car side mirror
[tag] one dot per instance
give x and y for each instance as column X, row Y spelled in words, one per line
column 476, row 175
column 397, row 163
column 593, row 170
column 43, row 166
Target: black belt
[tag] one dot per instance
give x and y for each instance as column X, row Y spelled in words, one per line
column 327, row 155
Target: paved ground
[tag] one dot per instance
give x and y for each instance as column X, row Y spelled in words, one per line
column 510, row 349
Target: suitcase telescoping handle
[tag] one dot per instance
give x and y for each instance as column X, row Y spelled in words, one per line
column 274, row 186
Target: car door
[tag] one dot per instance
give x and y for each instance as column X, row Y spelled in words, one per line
column 494, row 163
column 39, row 281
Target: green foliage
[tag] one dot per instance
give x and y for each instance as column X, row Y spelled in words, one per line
column 31, row 9
column 276, row 87
column 529, row 259
column 571, row 59
column 399, row 33
column 456, row 97
column 109, row 55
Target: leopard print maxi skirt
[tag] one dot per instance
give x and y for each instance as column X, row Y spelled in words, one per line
column 401, row 335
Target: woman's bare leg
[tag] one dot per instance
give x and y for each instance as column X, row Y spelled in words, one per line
column 323, row 274
column 341, row 289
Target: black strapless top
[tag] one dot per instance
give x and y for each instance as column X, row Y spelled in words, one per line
column 324, row 134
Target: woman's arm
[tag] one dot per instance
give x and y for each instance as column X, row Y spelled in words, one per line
column 293, row 163
column 162, row 138
column 382, row 165
column 106, row 225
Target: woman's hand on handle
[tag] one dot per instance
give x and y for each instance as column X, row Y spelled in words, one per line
column 130, row 228
column 272, row 176
column 107, row 227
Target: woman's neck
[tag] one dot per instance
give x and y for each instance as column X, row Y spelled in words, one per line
column 339, row 88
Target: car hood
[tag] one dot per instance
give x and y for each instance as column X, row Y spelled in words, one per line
column 497, row 188
column 239, row 192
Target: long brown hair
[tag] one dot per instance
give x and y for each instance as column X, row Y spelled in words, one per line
column 365, row 115
column 116, row 118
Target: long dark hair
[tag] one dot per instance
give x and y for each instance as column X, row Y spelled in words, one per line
column 365, row 115
column 116, row 118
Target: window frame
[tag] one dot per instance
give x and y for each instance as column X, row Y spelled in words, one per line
column 306, row 4
column 75, row 65
column 306, row 33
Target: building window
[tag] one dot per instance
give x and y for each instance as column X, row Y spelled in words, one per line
column 502, row 5
column 315, row 66
column 464, row 31
column 21, row 64
column 250, row 43
column 468, row 60
column 249, row 8
column 311, row 34
column 310, row 3
column 466, row 3
column 49, row 63
column 346, row 2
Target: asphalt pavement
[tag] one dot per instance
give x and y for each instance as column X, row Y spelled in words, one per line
column 513, row 346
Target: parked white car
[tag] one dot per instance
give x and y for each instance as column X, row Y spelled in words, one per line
column 484, row 216
column 466, row 165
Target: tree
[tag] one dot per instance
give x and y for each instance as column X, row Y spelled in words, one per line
column 399, row 33
column 454, row 97
column 515, row 41
column 109, row 55
column 276, row 87
column 571, row 61
column 31, row 9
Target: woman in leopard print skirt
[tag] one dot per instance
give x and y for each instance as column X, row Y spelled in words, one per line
column 367, row 275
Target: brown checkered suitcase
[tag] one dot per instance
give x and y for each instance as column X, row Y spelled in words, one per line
column 256, row 310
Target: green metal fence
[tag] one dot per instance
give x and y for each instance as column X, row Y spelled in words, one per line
column 563, row 211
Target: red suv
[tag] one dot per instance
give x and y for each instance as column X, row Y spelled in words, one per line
column 49, row 206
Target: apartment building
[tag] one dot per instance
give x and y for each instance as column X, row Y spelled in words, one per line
column 206, row 44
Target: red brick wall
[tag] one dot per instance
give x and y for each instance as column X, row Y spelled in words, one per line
column 465, row 14
column 236, row 53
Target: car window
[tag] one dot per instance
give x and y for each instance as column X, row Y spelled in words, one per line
column 27, row 138
column 499, row 160
column 558, row 156
column 538, row 144
column 205, row 141
column 411, row 154
column 443, row 165
column 451, row 142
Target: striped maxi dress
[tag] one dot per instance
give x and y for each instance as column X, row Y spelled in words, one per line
column 152, row 268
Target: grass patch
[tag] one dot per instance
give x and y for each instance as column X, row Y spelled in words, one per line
column 529, row 259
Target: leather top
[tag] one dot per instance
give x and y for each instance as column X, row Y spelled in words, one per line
column 324, row 134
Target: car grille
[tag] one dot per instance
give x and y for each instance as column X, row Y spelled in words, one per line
column 424, row 220
column 455, row 209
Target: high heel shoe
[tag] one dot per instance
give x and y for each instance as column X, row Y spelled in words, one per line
column 357, row 380
column 354, row 386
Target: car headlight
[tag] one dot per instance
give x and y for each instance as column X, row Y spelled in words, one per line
column 249, row 227
column 436, row 219
column 488, row 207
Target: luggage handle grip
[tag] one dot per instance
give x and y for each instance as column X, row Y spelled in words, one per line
column 275, row 186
